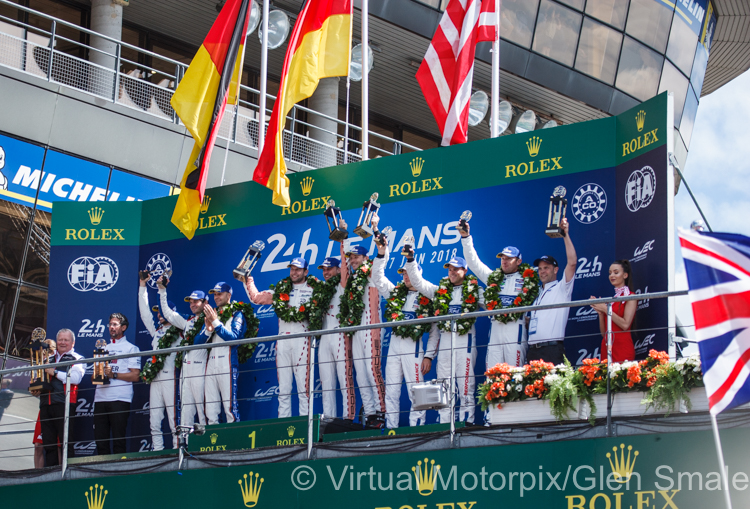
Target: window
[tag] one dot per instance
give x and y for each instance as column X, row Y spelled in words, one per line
column 649, row 22
column 675, row 82
column 30, row 314
column 613, row 12
column 598, row 51
column 688, row 116
column 576, row 4
column 517, row 21
column 698, row 74
column 639, row 71
column 135, row 187
column 36, row 269
column 7, row 298
column 14, row 223
column 556, row 33
column 681, row 47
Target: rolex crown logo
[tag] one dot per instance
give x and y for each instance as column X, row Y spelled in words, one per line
column 416, row 166
column 214, row 437
column 622, row 468
column 640, row 120
column 425, row 477
column 290, row 431
column 96, row 496
column 205, row 204
column 251, row 489
column 533, row 145
column 95, row 214
column 306, row 185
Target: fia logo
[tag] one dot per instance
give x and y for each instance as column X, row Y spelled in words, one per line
column 250, row 490
column 589, row 203
column 640, row 189
column 93, row 273
column 588, row 268
column 157, row 265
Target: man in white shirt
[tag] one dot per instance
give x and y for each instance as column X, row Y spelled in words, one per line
column 547, row 327
column 112, row 401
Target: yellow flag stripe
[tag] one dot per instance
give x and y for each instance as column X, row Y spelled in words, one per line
column 187, row 208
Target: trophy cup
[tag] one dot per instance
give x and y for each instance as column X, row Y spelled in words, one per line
column 381, row 236
column 41, row 351
column 408, row 249
column 247, row 264
column 369, row 209
column 465, row 216
column 557, row 204
column 99, row 378
column 146, row 274
column 333, row 215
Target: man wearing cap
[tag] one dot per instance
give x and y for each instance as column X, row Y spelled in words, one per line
column 163, row 391
column 222, row 369
column 291, row 301
column 406, row 355
column 508, row 341
column 335, row 350
column 547, row 327
column 193, row 372
column 448, row 298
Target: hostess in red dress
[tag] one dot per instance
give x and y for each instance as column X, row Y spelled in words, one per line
column 622, row 343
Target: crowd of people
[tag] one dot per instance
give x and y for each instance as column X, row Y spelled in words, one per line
column 354, row 290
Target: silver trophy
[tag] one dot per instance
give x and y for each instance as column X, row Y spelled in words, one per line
column 408, row 249
column 369, row 209
column 98, row 377
column 333, row 219
column 461, row 226
column 557, row 207
column 382, row 235
column 247, row 264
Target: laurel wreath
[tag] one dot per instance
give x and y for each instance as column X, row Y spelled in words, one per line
column 323, row 292
column 352, row 302
column 244, row 352
column 526, row 297
column 470, row 303
column 284, row 311
column 156, row 363
column 394, row 312
column 188, row 338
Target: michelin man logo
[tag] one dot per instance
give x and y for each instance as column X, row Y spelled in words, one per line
column 98, row 274
column 589, row 203
column 3, row 178
column 158, row 265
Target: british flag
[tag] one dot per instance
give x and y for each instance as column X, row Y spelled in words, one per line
column 718, row 272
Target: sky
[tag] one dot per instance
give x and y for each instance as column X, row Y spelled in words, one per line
column 716, row 171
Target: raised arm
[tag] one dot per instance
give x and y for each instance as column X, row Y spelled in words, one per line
column 344, row 267
column 145, row 310
column 172, row 317
column 424, row 287
column 472, row 259
column 382, row 283
column 256, row 297
column 570, row 252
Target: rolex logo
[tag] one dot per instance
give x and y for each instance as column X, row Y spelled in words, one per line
column 205, row 204
column 96, row 496
column 622, row 468
column 425, row 477
column 250, row 490
column 640, row 120
column 533, row 145
column 290, row 431
column 416, row 166
column 214, row 437
column 95, row 214
column 306, row 185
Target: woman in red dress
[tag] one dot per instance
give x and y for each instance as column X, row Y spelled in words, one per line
column 622, row 315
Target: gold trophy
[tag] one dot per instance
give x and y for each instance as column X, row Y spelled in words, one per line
column 333, row 216
column 247, row 264
column 461, row 226
column 557, row 207
column 41, row 351
column 100, row 350
column 408, row 249
column 369, row 209
column 381, row 236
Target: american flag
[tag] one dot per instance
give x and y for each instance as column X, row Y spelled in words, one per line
column 718, row 272
column 447, row 70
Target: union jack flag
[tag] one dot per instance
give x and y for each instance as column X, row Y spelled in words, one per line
column 718, row 272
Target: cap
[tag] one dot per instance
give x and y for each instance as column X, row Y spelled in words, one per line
column 402, row 270
column 360, row 250
column 300, row 263
column 330, row 262
column 511, row 251
column 170, row 304
column 197, row 294
column 457, row 262
column 546, row 258
column 221, row 286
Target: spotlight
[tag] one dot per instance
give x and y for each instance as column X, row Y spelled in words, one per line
column 355, row 66
column 252, row 23
column 504, row 116
column 278, row 29
column 549, row 124
column 478, row 106
column 523, row 122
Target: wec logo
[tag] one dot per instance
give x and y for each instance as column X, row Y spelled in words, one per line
column 641, row 253
column 98, row 274
column 268, row 393
column 644, row 344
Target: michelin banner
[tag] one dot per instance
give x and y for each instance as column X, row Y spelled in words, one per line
column 618, row 186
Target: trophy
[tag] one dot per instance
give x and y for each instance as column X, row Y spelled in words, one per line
column 369, row 209
column 465, row 216
column 247, row 264
column 557, row 204
column 380, row 237
column 41, row 351
column 100, row 350
column 408, row 249
column 146, row 274
column 333, row 215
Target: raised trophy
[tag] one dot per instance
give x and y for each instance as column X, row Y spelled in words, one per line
column 100, row 350
column 381, row 236
column 463, row 221
column 369, row 208
column 333, row 219
column 557, row 206
column 145, row 275
column 408, row 249
column 247, row 264
column 41, row 351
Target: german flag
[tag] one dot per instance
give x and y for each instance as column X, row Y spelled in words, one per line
column 319, row 48
column 211, row 81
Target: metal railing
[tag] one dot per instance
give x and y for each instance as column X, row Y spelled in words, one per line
column 350, row 330
column 149, row 89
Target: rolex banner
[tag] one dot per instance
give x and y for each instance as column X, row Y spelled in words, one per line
column 619, row 194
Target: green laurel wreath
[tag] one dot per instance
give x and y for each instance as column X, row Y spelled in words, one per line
column 352, row 302
column 284, row 311
column 394, row 313
column 526, row 297
column 470, row 303
column 156, row 363
column 188, row 338
column 323, row 292
column 244, row 352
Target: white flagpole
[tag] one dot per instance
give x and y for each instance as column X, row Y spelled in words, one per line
column 495, row 91
column 365, row 82
column 722, row 466
column 263, row 80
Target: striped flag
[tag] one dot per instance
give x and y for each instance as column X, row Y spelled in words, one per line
column 448, row 67
column 718, row 271
column 318, row 48
column 211, row 81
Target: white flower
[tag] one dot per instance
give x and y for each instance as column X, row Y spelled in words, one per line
column 359, row 287
column 519, row 387
column 550, row 379
column 518, row 377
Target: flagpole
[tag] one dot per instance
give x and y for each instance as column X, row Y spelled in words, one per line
column 263, row 79
column 236, row 104
column 722, row 466
column 365, row 81
column 495, row 91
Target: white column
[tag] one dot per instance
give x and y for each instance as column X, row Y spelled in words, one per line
column 106, row 19
column 326, row 101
